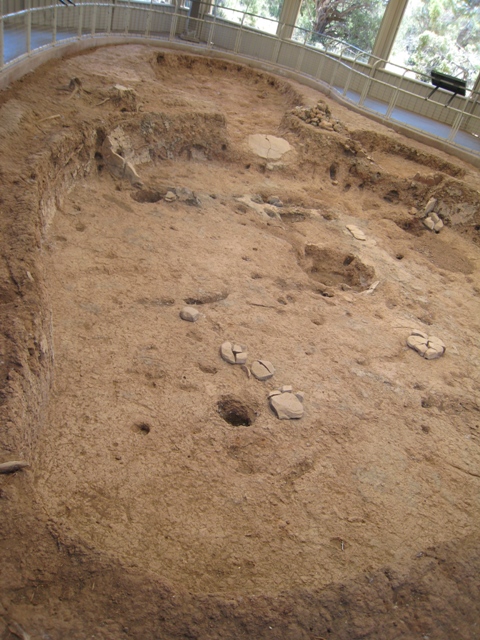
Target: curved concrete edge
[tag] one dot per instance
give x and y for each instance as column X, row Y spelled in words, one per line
column 35, row 59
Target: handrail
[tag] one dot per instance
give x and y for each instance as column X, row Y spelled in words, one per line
column 336, row 59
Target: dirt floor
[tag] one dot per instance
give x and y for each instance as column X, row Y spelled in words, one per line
column 164, row 498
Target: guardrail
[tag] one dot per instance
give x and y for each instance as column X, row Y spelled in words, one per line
column 374, row 86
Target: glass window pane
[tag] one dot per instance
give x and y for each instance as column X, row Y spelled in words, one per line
column 353, row 21
column 260, row 14
column 440, row 34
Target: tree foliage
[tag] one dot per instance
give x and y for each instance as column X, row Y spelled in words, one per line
column 443, row 35
column 353, row 21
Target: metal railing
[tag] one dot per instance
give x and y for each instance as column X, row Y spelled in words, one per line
column 354, row 75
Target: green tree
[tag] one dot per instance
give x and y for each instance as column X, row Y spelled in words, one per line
column 353, row 21
column 443, row 35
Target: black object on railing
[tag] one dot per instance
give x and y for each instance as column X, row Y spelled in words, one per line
column 457, row 86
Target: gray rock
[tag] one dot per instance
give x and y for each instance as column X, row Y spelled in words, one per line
column 287, row 388
column 429, row 223
column 276, row 202
column 190, row 314
column 438, row 226
column 263, row 369
column 170, row 196
column 430, row 206
column 287, row 406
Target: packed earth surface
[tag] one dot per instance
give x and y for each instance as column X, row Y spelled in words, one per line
column 166, row 495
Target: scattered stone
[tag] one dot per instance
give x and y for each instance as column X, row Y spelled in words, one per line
column 413, row 211
column 430, row 347
column 190, row 314
column 300, row 395
column 263, row 369
column 429, row 223
column 430, row 206
column 434, row 217
column 276, row 202
column 286, row 405
column 287, row 388
column 187, row 196
column 241, row 358
column 356, row 232
column 14, row 465
column 170, row 196
column 275, row 392
column 228, row 353
column 438, row 226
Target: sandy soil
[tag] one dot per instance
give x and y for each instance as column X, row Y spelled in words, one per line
column 146, row 512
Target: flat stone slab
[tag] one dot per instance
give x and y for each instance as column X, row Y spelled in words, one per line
column 286, row 404
column 430, row 347
column 268, row 147
column 262, row 369
column 356, row 232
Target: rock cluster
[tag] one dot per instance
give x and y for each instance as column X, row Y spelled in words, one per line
column 286, row 404
column 430, row 347
column 431, row 219
column 318, row 116
column 233, row 353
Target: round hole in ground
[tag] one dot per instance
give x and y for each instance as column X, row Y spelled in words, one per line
column 235, row 411
column 142, row 427
column 146, row 195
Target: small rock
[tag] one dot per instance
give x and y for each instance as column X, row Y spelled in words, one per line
column 287, row 406
column 430, row 206
column 418, row 343
column 170, row 196
column 356, row 232
column 438, row 226
column 263, row 369
column 300, row 395
column 275, row 392
column 287, row 388
column 422, row 334
column 190, row 314
column 429, row 223
column 413, row 211
column 226, row 351
column 238, row 348
column 241, row 358
column 276, row 202
column 434, row 217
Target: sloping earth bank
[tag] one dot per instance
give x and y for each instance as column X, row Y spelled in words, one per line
column 130, row 188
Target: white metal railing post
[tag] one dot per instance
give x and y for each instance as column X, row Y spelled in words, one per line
column 337, row 65
column 366, row 88
column 173, row 26
column 238, row 39
column 393, row 101
column 110, row 18
column 2, row 39
column 54, row 25
column 80, row 21
column 148, row 23
column 128, row 11
column 94, row 19
column 211, row 32
column 29, row 24
column 301, row 55
column 350, row 73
